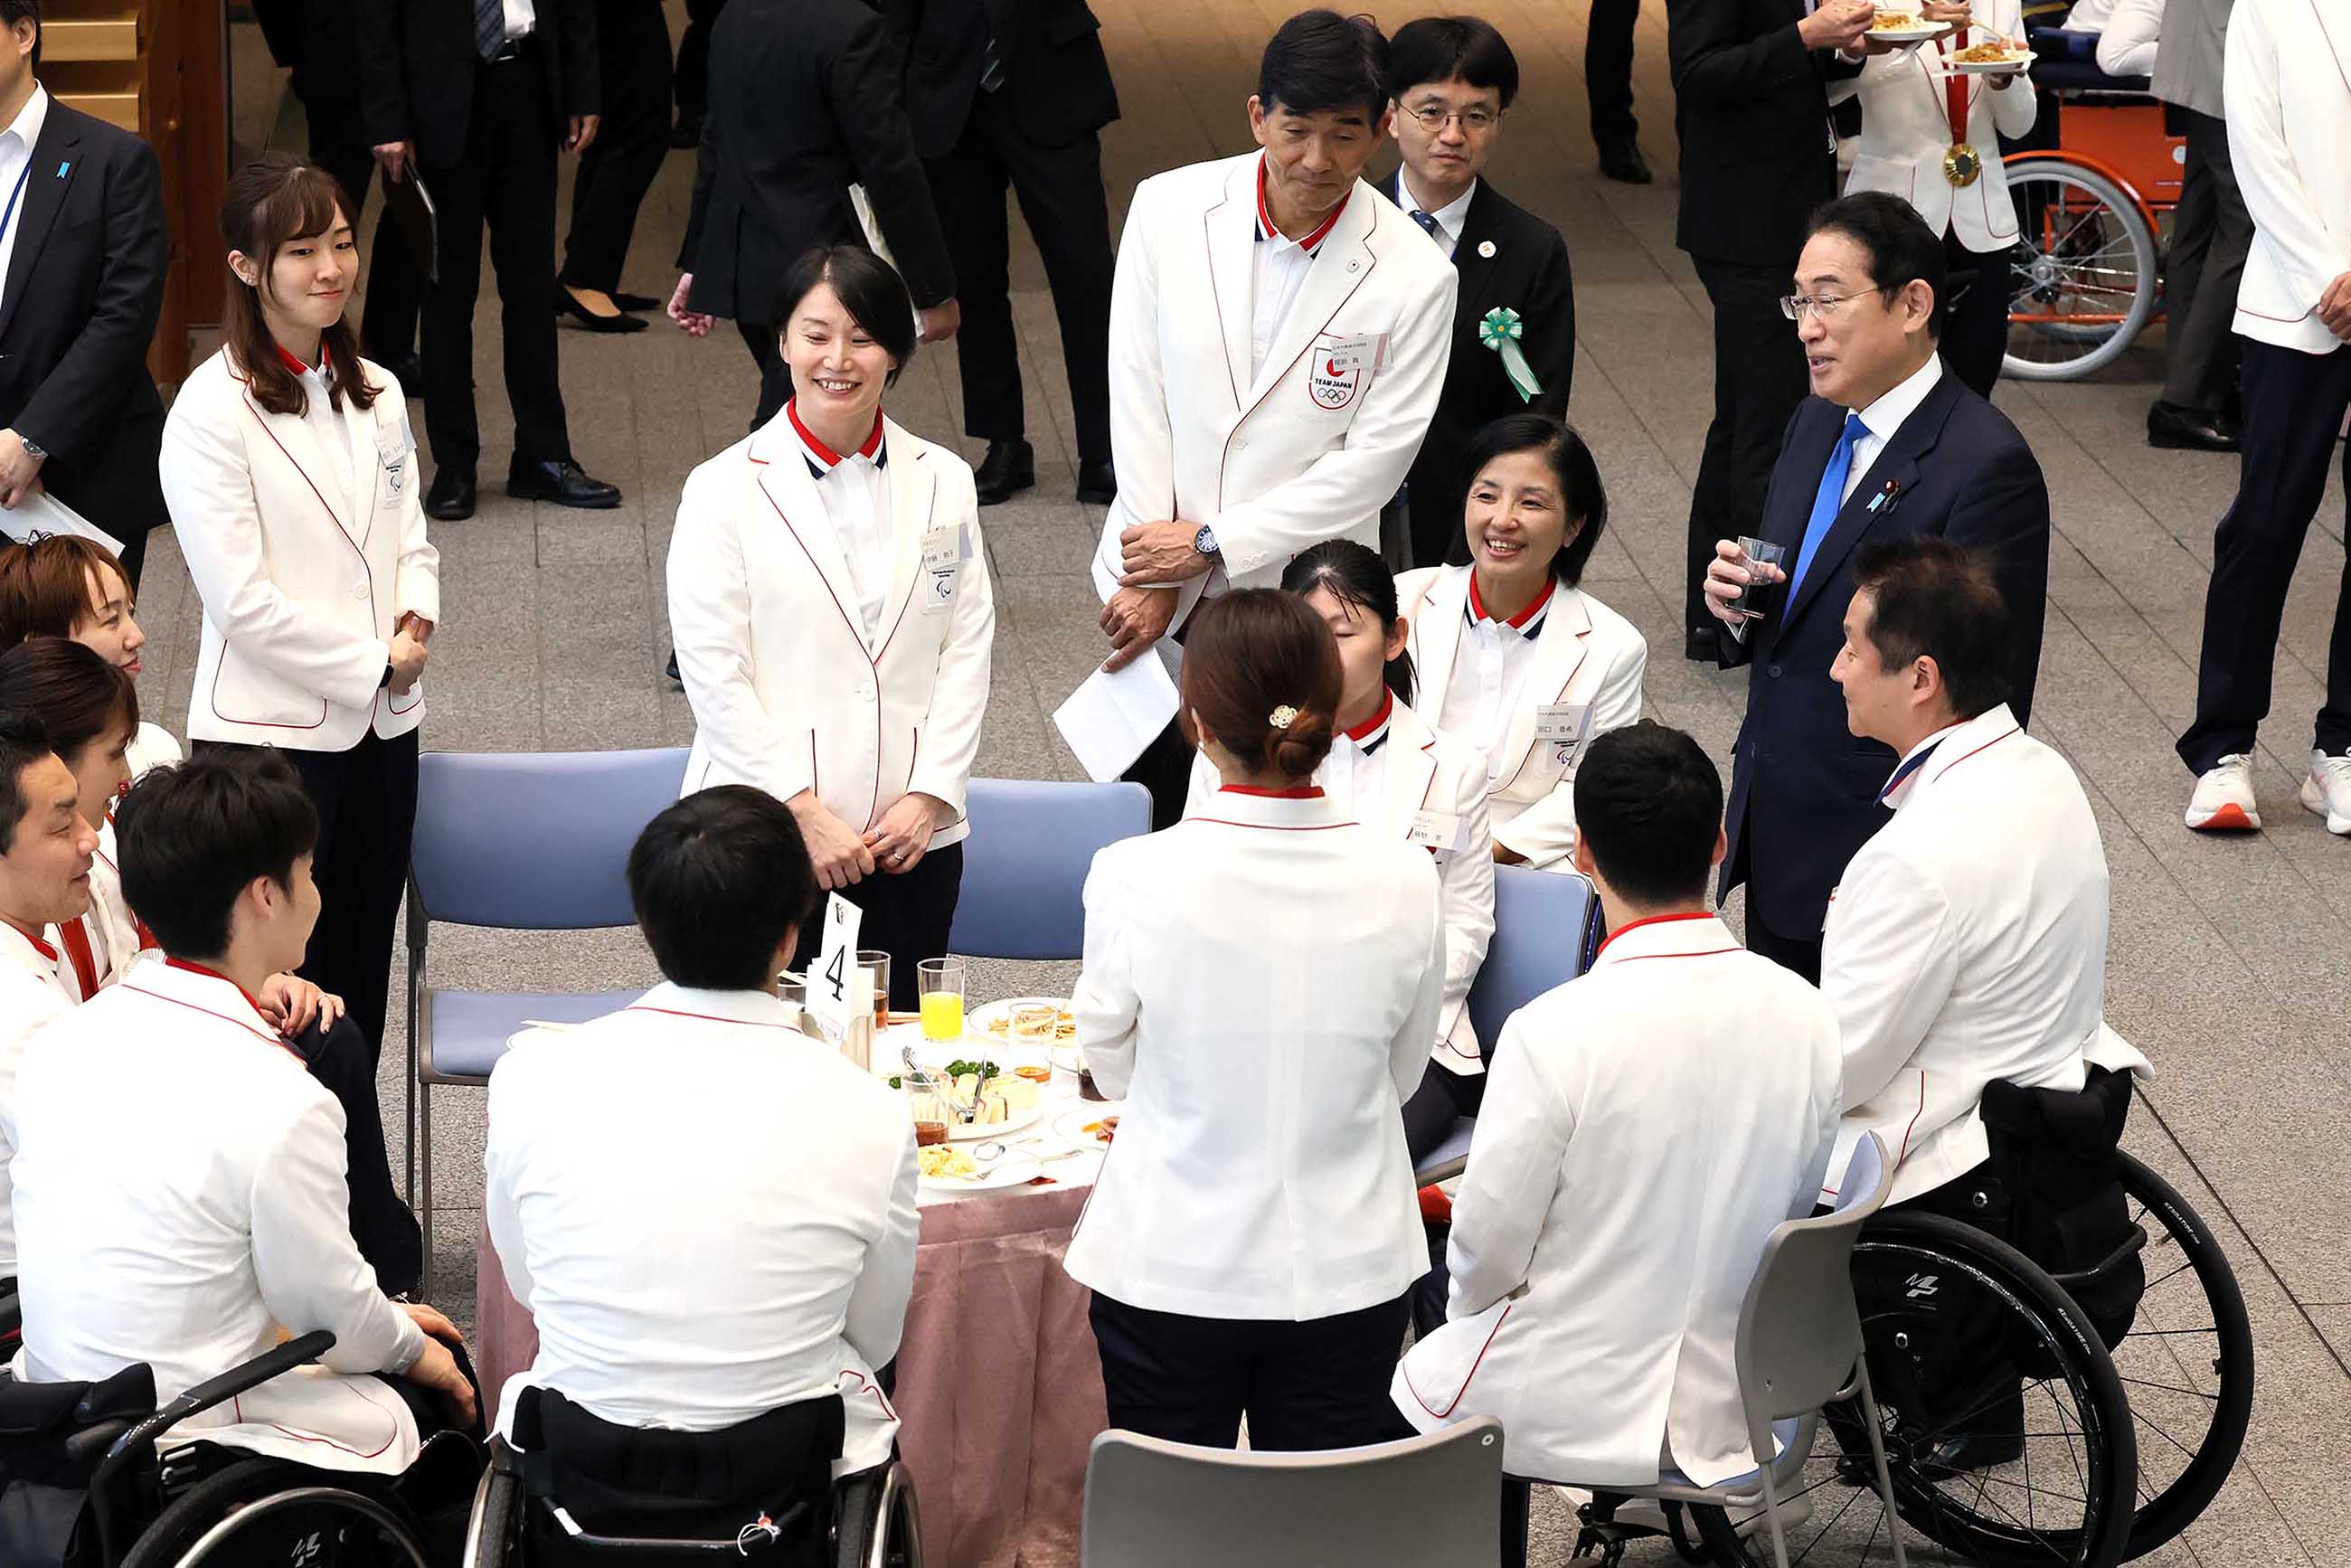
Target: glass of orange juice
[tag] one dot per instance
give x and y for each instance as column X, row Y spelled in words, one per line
column 940, row 983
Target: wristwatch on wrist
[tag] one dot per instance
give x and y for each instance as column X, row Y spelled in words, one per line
column 1205, row 541
column 32, row 447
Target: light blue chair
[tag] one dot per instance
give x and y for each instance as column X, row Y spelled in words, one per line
column 1025, row 864
column 523, row 841
column 1543, row 926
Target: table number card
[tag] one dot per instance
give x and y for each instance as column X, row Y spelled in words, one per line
column 832, row 980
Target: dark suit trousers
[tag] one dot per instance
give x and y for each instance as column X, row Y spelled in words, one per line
column 1975, row 335
column 1165, row 769
column 1759, row 380
column 619, row 166
column 2293, row 407
column 1061, row 197
column 384, row 1227
column 775, row 375
column 2210, row 232
column 1321, row 1384
column 693, row 81
column 1608, row 68
column 395, row 283
column 908, row 916
column 507, row 178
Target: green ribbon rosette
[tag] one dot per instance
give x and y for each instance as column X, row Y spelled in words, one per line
column 1501, row 329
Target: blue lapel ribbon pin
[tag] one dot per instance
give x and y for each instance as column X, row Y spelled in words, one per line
column 1892, row 488
column 63, row 167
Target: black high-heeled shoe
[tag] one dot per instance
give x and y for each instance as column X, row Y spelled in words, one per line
column 568, row 304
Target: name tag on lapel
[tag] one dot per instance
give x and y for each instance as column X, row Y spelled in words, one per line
column 942, row 559
column 1562, row 726
column 1438, row 831
column 1367, row 351
column 394, row 449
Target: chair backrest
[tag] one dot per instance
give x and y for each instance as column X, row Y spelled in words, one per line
column 1798, row 1331
column 1024, row 870
column 534, row 841
column 1429, row 1500
column 1543, row 920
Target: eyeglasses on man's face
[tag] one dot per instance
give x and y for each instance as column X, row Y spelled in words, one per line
column 1434, row 118
column 1796, row 306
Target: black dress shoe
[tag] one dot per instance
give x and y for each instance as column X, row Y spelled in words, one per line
column 568, row 304
column 1702, row 645
column 687, row 131
column 451, row 499
column 406, row 368
column 636, row 301
column 1622, row 160
column 2187, row 429
column 563, row 483
column 1009, row 465
column 1097, row 483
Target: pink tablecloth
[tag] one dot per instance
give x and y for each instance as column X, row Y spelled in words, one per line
column 999, row 1387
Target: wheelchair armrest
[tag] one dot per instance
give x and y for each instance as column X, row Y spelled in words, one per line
column 236, row 1380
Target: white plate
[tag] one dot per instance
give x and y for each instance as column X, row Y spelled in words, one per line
column 2015, row 64
column 981, row 1132
column 1071, row 1126
column 1924, row 33
column 1012, row 1170
column 977, row 1022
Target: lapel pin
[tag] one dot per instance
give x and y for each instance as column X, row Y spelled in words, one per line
column 63, row 167
column 1486, row 248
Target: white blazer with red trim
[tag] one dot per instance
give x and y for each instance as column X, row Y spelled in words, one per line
column 1434, row 778
column 787, row 692
column 1585, row 653
column 179, row 1195
column 1305, row 448
column 1905, row 130
column 1638, row 1142
column 2288, row 74
column 301, row 590
column 1261, row 983
column 1967, row 943
column 35, row 986
column 686, row 1269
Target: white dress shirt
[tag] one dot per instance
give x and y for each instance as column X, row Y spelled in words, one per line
column 335, row 435
column 35, row 986
column 855, row 493
column 1450, row 217
column 1282, row 264
column 1885, row 416
column 522, row 18
column 1490, row 673
column 1355, row 773
column 15, row 164
column 689, row 1264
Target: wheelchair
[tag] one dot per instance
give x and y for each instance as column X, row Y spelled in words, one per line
column 582, row 1491
column 87, row 1481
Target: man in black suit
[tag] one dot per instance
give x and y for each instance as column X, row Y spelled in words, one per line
column 1608, row 84
column 1751, row 109
column 803, row 104
column 479, row 95
column 1017, row 90
column 1452, row 79
column 692, row 76
column 81, row 283
column 1888, row 442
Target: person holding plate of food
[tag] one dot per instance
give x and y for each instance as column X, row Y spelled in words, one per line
column 1930, row 133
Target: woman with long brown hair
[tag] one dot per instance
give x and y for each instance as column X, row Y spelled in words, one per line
column 291, row 475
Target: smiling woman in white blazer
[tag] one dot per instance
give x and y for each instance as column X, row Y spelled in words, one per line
column 1261, row 984
column 1512, row 657
column 833, row 618
column 1958, row 183
column 290, row 473
column 1389, row 769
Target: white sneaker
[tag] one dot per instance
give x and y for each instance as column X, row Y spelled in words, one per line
column 2223, row 802
column 2328, row 790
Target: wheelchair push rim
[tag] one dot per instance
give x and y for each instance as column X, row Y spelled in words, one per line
column 202, row 1528
column 2088, row 271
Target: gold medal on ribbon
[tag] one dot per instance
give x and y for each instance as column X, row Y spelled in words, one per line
column 1963, row 164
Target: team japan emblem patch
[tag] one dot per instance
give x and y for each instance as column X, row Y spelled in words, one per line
column 1336, row 380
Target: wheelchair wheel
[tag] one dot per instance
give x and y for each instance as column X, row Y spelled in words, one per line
column 2088, row 271
column 2187, row 1364
column 266, row 1511
column 491, row 1532
column 1967, row 1342
column 874, row 1523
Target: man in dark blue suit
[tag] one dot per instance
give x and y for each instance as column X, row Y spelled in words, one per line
column 1888, row 442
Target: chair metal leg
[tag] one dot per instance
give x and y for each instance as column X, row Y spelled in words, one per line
column 1878, row 1457
column 425, row 1215
column 1771, row 1511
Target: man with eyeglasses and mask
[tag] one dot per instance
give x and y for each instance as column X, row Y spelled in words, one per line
column 1888, row 442
column 1451, row 79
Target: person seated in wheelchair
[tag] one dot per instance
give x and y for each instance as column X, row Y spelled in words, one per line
column 1647, row 1126
column 179, row 1198
column 710, row 1214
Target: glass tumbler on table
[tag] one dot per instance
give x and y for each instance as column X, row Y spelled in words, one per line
column 876, row 962
column 1759, row 591
column 940, row 983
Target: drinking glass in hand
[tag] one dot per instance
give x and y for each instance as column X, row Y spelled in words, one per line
column 1760, row 585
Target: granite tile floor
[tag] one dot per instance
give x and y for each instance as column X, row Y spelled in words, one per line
column 2229, row 959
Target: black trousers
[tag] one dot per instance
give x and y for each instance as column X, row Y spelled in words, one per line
column 366, row 798
column 1061, row 197
column 775, row 374
column 618, row 169
column 1797, row 955
column 1759, row 380
column 908, row 916
column 2293, row 408
column 507, row 179
column 1975, row 337
column 1321, row 1384
column 2210, row 232
column 693, row 82
column 1165, row 769
column 1608, row 69
column 1443, row 1098
column 395, row 283
column 385, row 1229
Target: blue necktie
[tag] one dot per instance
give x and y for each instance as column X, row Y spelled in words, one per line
column 1828, row 500
column 1427, row 224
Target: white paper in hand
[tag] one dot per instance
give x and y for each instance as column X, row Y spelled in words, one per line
column 1116, row 712
column 42, row 513
column 832, row 987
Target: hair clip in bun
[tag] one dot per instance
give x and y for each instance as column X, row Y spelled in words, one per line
column 1282, row 717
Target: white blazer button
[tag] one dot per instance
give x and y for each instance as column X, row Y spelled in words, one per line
column 360, row 591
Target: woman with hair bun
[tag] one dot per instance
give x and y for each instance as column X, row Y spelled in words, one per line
column 1261, row 985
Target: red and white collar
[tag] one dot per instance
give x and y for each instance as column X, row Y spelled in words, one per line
column 298, row 368
column 1304, row 808
column 211, row 974
column 823, row 459
column 36, row 941
column 1528, row 621
column 1945, row 749
column 1368, row 736
column 1312, row 243
column 1696, row 934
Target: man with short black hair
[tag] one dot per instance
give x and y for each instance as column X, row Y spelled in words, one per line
column 710, row 1215
column 1888, row 443
column 180, row 1190
column 1584, row 1219
column 1270, row 386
